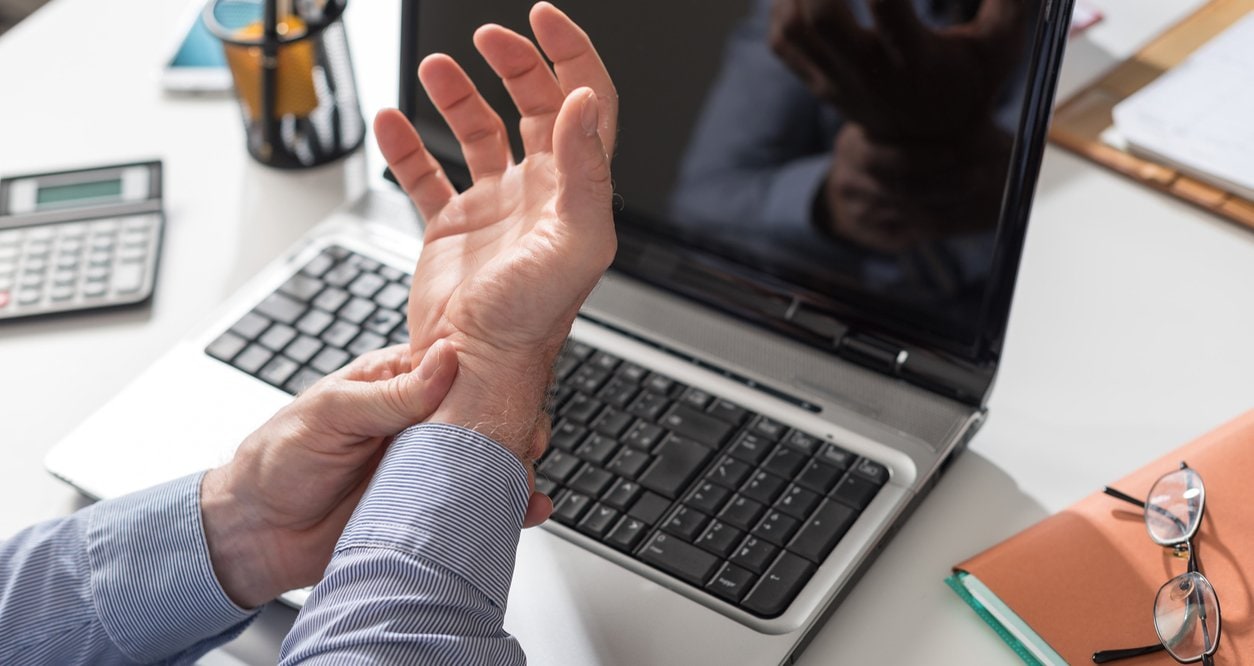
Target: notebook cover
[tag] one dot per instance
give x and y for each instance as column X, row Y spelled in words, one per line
column 1085, row 579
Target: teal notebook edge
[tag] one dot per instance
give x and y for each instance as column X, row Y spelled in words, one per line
column 1012, row 630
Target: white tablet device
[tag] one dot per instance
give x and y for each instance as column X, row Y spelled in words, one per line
column 196, row 63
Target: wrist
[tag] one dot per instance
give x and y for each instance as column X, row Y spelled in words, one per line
column 235, row 543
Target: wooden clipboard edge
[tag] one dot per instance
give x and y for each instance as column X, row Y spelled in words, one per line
column 1079, row 121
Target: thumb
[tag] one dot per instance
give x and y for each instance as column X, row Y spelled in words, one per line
column 583, row 168
column 388, row 406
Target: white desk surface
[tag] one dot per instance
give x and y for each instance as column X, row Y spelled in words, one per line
column 1129, row 334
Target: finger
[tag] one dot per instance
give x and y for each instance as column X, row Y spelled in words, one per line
column 416, row 169
column 898, row 27
column 784, row 34
column 478, row 129
column 528, row 80
column 539, row 508
column 381, row 408
column 577, row 64
column 377, row 365
column 584, row 190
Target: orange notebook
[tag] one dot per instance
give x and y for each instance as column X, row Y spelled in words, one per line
column 1084, row 579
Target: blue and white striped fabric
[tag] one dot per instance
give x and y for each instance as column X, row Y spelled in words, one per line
column 421, row 574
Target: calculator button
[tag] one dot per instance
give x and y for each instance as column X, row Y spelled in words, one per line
column 62, row 293
column 39, row 233
column 97, row 273
column 36, row 265
column 72, row 230
column 104, row 226
column 38, row 249
column 132, row 255
column 137, row 223
column 8, row 252
column 98, row 258
column 94, row 289
column 28, row 297
column 10, row 238
column 4, row 299
column 128, row 278
column 101, row 244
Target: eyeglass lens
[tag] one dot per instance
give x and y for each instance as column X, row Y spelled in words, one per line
column 1186, row 615
column 1174, row 507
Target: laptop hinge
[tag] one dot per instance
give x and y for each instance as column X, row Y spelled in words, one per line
column 871, row 351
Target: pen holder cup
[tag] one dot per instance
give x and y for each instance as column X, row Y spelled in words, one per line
column 293, row 77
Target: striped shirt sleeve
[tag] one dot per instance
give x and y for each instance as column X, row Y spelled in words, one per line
column 422, row 572
column 122, row 581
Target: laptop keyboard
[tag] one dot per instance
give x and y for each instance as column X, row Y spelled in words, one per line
column 709, row 492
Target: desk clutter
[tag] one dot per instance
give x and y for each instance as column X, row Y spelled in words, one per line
column 1085, row 580
column 79, row 240
column 1175, row 116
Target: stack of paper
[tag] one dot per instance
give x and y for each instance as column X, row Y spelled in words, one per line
column 1199, row 117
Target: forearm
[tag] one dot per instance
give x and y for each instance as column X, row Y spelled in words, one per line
column 122, row 581
column 422, row 572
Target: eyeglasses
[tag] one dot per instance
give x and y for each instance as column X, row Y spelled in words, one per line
column 1186, row 610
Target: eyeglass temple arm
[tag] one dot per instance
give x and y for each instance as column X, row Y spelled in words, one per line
column 1117, row 494
column 1126, row 653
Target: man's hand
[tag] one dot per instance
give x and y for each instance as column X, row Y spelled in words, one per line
column 507, row 263
column 273, row 514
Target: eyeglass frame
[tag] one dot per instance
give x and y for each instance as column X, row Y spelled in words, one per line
column 1183, row 544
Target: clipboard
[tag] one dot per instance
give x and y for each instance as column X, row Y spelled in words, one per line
column 1080, row 121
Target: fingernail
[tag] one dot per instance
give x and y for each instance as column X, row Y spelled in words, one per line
column 588, row 114
column 431, row 361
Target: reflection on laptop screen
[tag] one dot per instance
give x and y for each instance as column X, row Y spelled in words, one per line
column 851, row 162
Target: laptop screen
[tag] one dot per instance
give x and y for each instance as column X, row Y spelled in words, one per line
column 819, row 170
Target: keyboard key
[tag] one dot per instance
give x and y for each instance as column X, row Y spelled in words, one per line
column 750, row 448
column 567, row 435
column 226, row 346
column 685, row 421
column 612, row 422
column 804, row 443
column 281, row 307
column 708, row 497
column 871, row 471
column 571, row 507
column 785, row 462
column 604, row 361
column 302, row 287
column 278, row 371
column 755, row 554
column 855, row 491
column 578, row 349
column 250, row 326
column 644, row 436
column 741, row 512
column 368, row 341
column 597, row 449
column 779, row 586
column 731, row 582
column 818, row 477
column 678, row 558
column 587, row 379
column 797, row 502
column 302, row 380
column 631, row 372
column 251, row 359
column 618, row 392
column 661, row 384
column 332, row 299
column 776, row 527
column 649, row 507
column 837, row 456
column 678, row 460
column 366, row 285
column 329, row 360
column 763, row 487
column 357, row 310
column 768, row 428
column 339, row 334
column 629, row 463
column 622, row 494
column 546, row 486
column 590, row 481
column 720, row 538
column 627, row 533
column 648, row 405
column 558, row 466
column 598, row 521
column 341, row 275
column 314, row 322
column 318, row 265
column 696, row 398
column 393, row 297
column 730, row 412
column 822, row 531
column 729, row 472
column 581, row 408
column 277, row 337
column 686, row 523
column 303, row 348
column 364, row 263
column 383, row 321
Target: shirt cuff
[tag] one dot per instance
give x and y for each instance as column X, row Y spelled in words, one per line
column 451, row 497
column 151, row 578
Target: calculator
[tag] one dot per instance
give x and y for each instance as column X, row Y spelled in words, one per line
column 79, row 240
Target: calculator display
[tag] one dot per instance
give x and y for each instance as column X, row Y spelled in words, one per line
column 100, row 190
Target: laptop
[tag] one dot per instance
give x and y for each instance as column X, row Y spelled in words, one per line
column 798, row 335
